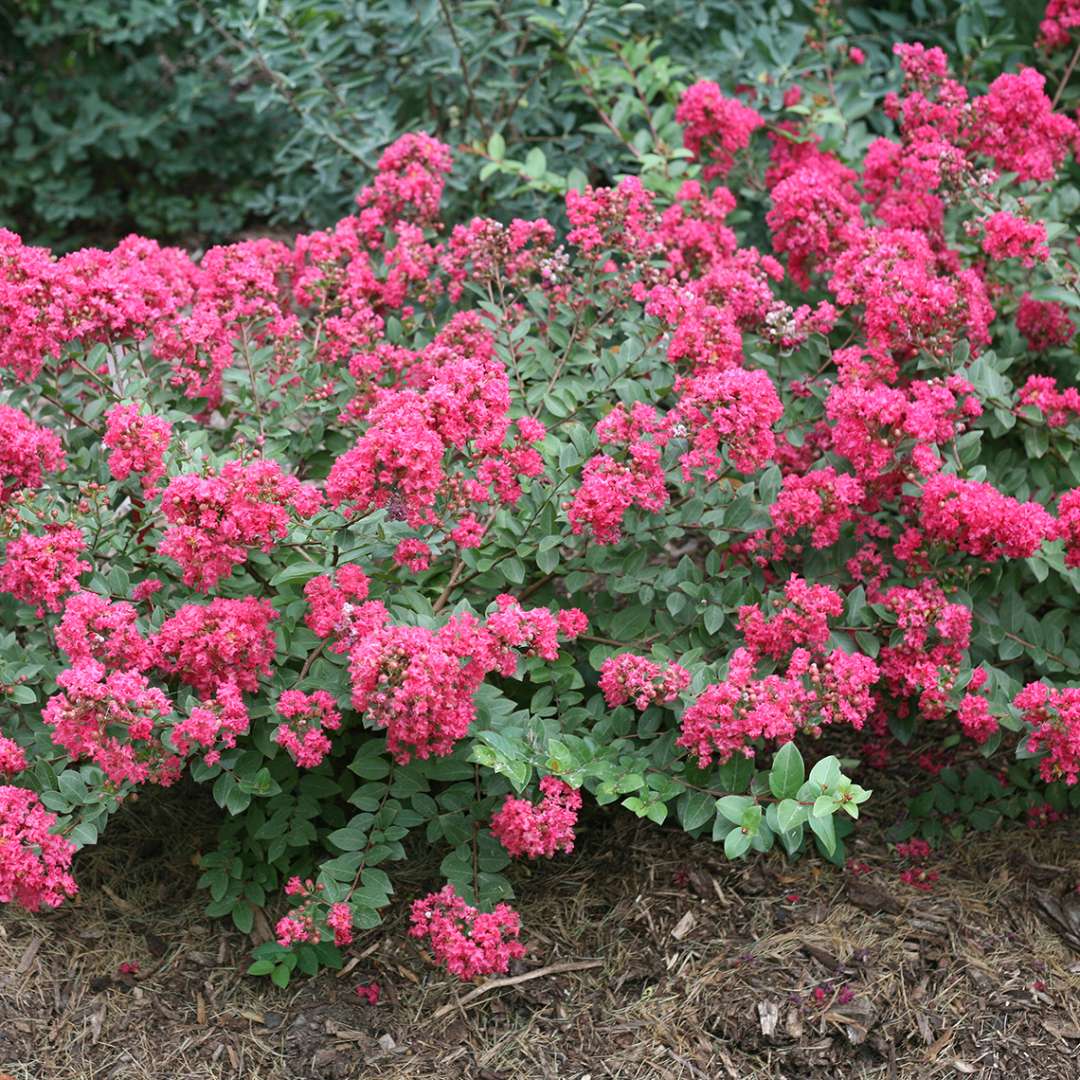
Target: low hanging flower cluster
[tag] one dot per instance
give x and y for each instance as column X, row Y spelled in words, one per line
column 465, row 941
column 34, row 861
column 820, row 686
column 539, row 830
column 1054, row 716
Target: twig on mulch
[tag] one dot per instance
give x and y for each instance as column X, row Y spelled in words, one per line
column 514, row 980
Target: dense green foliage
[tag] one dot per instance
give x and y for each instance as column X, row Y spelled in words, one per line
column 191, row 121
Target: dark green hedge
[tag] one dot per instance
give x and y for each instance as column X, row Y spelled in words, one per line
column 192, row 120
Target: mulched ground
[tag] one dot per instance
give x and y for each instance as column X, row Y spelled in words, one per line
column 684, row 966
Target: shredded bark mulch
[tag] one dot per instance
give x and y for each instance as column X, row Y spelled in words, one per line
column 650, row 956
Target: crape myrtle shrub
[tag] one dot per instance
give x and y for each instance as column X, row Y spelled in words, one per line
column 189, row 121
column 424, row 533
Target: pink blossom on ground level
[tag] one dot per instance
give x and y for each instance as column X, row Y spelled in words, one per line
column 465, row 941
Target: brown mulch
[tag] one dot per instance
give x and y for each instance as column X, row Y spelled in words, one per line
column 701, row 969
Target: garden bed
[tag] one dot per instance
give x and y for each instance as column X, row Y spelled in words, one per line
column 701, row 968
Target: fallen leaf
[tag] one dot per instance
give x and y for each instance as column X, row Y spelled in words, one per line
column 1062, row 1029
column 684, row 926
column 769, row 1016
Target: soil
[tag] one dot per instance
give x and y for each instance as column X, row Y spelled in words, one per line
column 650, row 956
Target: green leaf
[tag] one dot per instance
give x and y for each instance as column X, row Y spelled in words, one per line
column 736, row 843
column 535, row 163
column 695, row 809
column 734, row 806
column 826, row 773
column 496, row 147
column 789, row 814
column 825, row 830
column 788, row 772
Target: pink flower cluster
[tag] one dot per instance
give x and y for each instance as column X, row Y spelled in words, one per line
column 42, row 569
column 822, row 501
column 974, row 517
column 464, row 940
column 715, row 127
column 216, row 518
column 801, row 621
column 34, row 861
column 442, row 445
column 27, row 451
column 419, row 684
column 1044, row 324
column 1010, row 237
column 213, row 724
column 12, row 757
column 1059, row 407
column 224, row 641
column 300, row 924
column 731, row 716
column 1054, row 716
column 926, row 662
column 138, row 444
column 1059, row 20
column 332, row 600
column 632, row 476
column 89, row 295
column 1067, row 527
column 307, row 719
column 541, row 829
column 729, row 412
column 114, row 719
column 637, row 679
